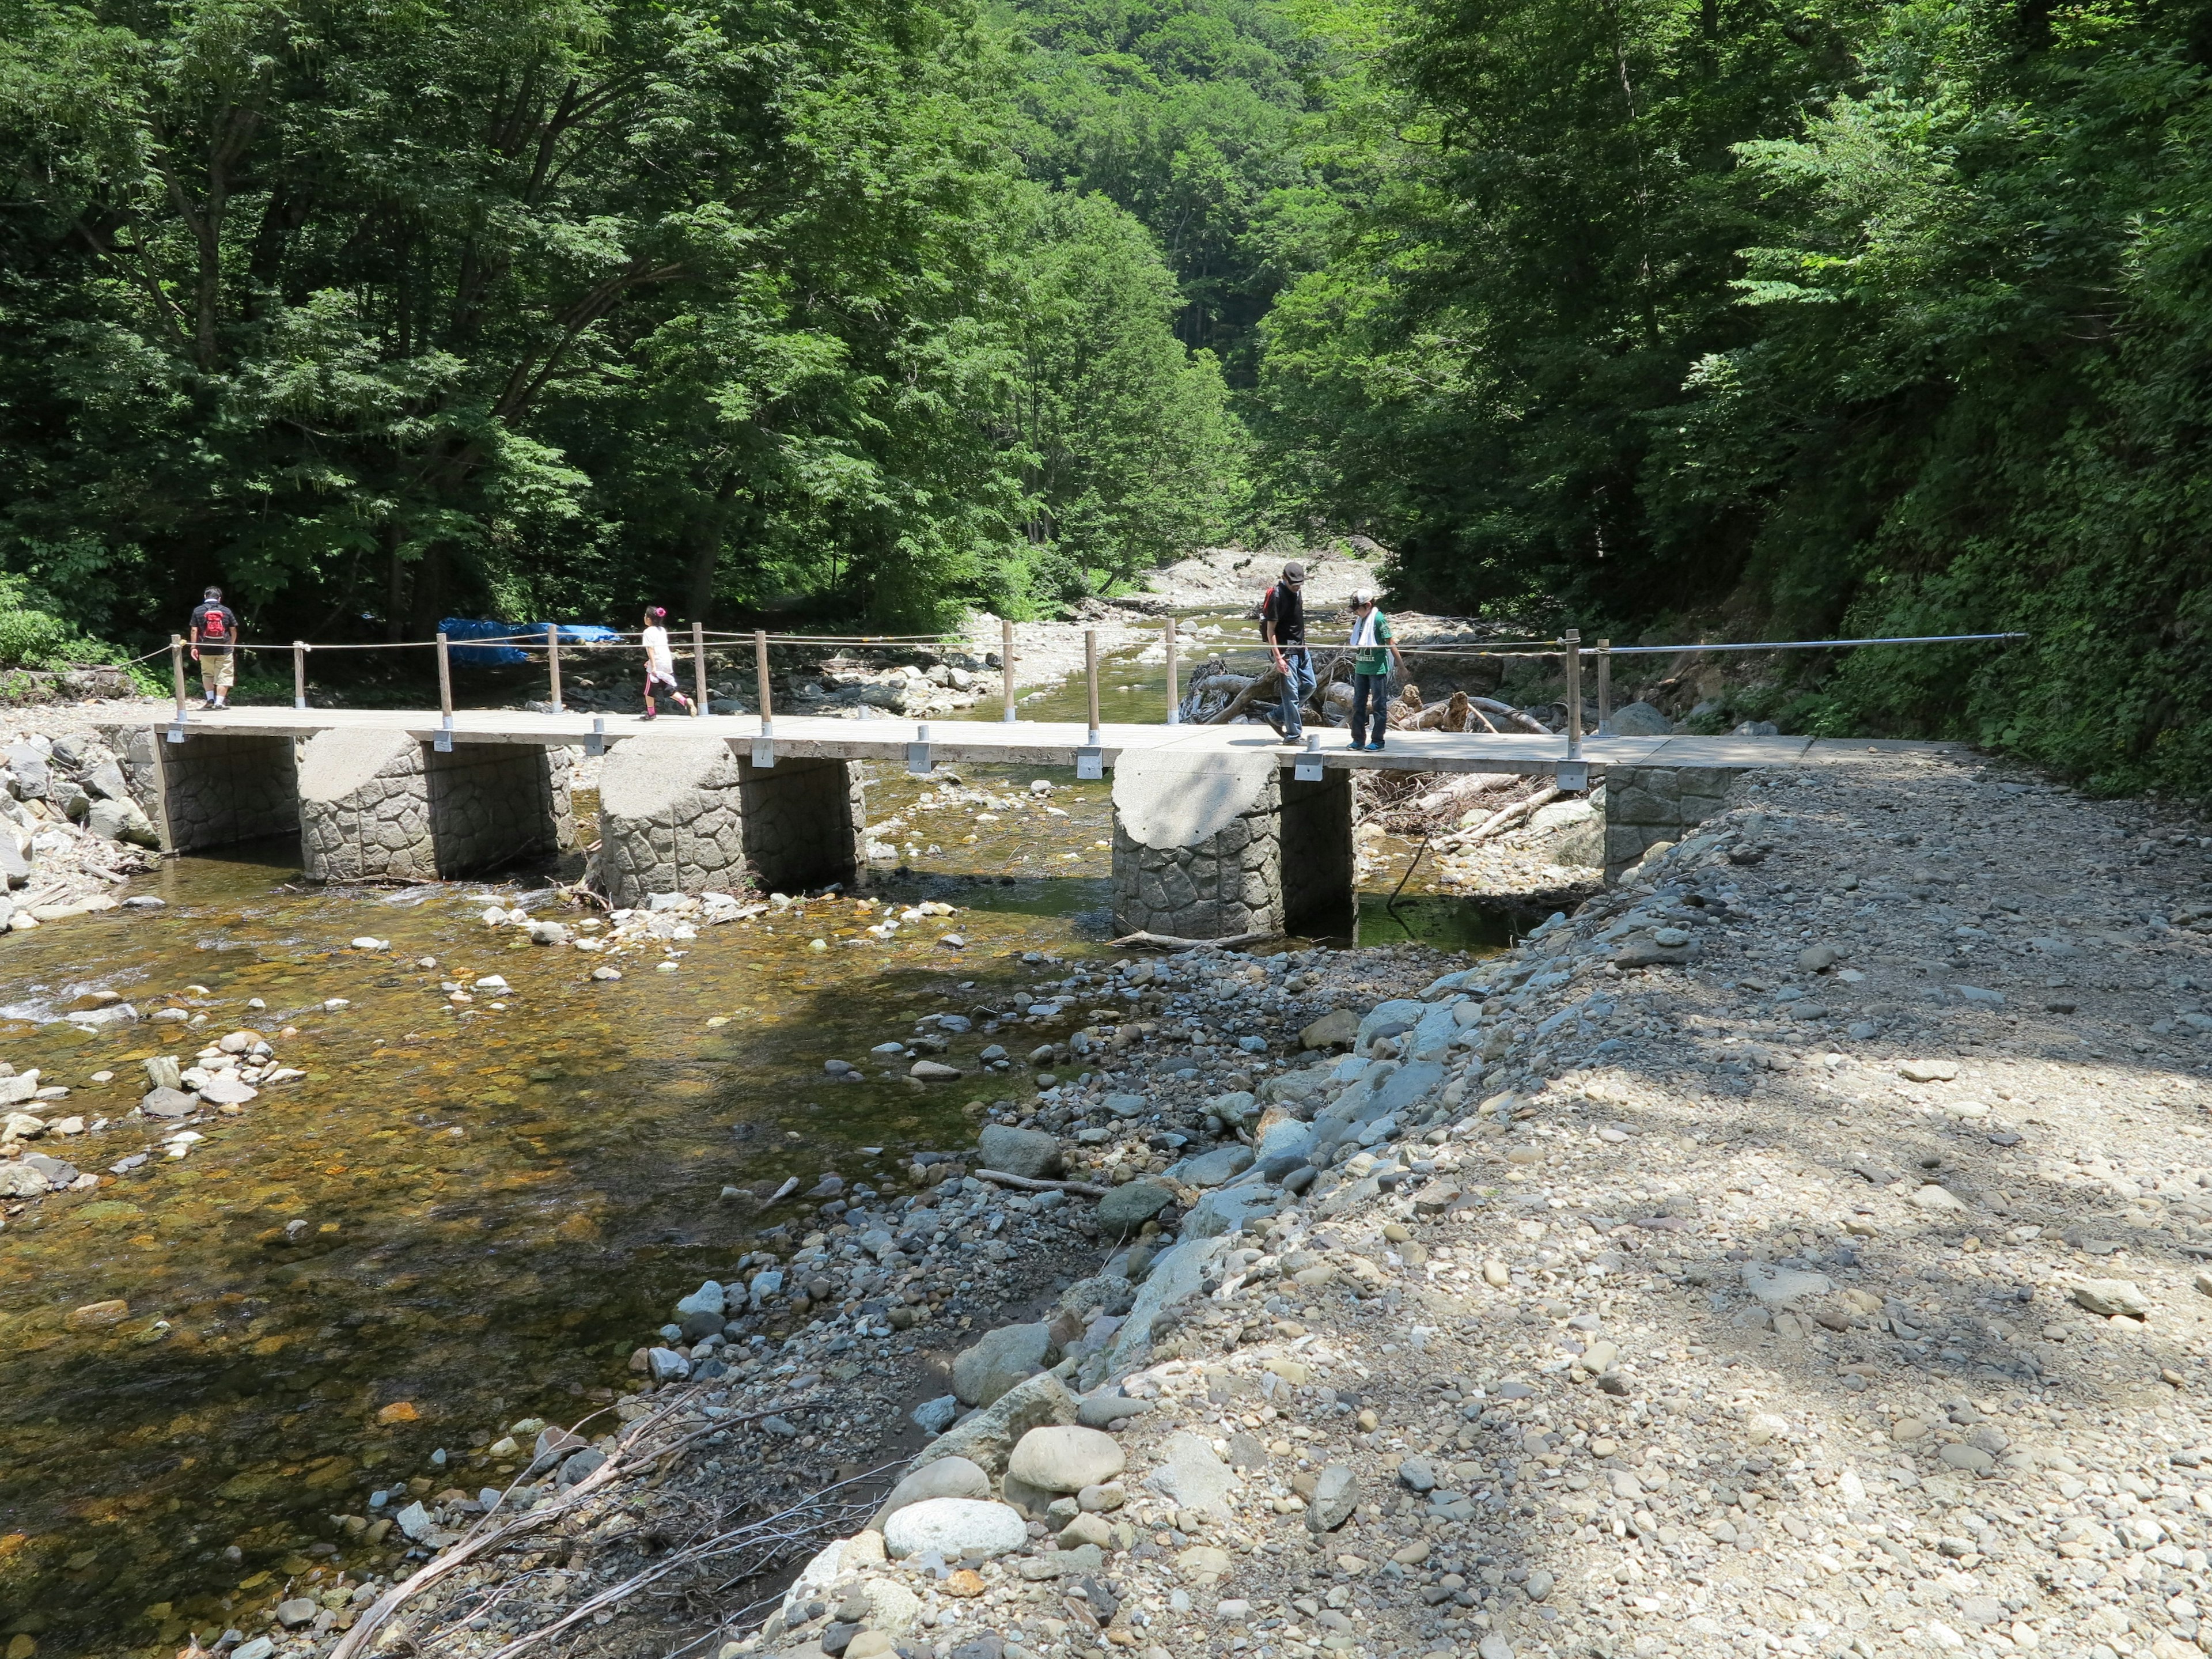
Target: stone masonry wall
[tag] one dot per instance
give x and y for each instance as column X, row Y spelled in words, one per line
column 212, row 789
column 804, row 822
column 670, row 819
column 1230, row 882
column 382, row 806
column 1647, row 805
column 493, row 804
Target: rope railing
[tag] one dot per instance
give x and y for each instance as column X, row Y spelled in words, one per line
column 1570, row 648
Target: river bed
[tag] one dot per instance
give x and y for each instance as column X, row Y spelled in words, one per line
column 457, row 1218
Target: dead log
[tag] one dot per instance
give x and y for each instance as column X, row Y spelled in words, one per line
column 1170, row 941
column 1505, row 817
column 1031, row 1184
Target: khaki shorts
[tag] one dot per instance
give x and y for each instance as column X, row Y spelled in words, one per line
column 217, row 672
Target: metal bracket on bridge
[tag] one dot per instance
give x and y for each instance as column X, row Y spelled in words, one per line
column 444, row 741
column 1089, row 763
column 596, row 743
column 917, row 753
column 1308, row 769
column 764, row 746
column 1571, row 774
column 177, row 732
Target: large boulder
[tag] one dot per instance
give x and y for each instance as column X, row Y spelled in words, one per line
column 1128, row 1208
column 983, row 1374
column 1065, row 1458
column 1339, row 1028
column 954, row 1526
column 1639, row 720
column 948, row 1477
column 987, row 1438
column 1028, row 1152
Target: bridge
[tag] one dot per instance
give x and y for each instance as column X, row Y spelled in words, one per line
column 1219, row 830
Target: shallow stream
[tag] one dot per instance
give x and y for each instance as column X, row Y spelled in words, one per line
column 456, row 1219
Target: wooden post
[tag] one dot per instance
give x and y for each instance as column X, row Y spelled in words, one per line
column 553, row 663
column 760, row 675
column 699, row 669
column 1091, row 678
column 177, row 669
column 1574, row 643
column 299, row 674
column 1605, row 688
column 1175, row 693
column 445, row 685
column 1007, row 665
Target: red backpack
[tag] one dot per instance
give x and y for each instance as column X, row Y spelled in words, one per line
column 213, row 626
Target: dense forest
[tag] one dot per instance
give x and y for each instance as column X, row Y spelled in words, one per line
column 1774, row 316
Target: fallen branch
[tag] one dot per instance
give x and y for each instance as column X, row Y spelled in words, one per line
column 1170, row 941
column 1527, row 722
column 1031, row 1184
column 1506, row 817
column 629, row 1455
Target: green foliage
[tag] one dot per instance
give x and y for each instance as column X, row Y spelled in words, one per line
column 1823, row 317
column 37, row 639
column 1191, row 115
column 390, row 313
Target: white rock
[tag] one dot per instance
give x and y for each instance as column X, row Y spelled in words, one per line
column 954, row 1526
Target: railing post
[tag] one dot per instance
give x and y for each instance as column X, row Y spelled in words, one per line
column 299, row 674
column 1091, row 681
column 1574, row 644
column 699, row 669
column 760, row 675
column 177, row 670
column 445, row 685
column 1605, row 688
column 1006, row 666
column 1175, row 692
column 553, row 665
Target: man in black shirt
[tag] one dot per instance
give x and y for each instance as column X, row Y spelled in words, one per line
column 215, row 631
column 1283, row 627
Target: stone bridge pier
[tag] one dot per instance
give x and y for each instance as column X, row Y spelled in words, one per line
column 1213, row 845
column 377, row 805
column 693, row 815
column 212, row 790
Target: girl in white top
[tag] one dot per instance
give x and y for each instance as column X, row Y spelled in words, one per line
column 659, row 662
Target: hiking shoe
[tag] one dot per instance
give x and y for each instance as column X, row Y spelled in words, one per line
column 649, row 713
column 1275, row 721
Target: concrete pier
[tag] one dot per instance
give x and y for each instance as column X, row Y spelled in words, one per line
column 1213, row 845
column 385, row 806
column 691, row 816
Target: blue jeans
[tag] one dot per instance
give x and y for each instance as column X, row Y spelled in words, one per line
column 1370, row 692
column 1298, row 685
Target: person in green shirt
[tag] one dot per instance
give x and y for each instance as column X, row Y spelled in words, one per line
column 1373, row 653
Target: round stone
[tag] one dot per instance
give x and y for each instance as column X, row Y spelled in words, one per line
column 954, row 1526
column 1065, row 1459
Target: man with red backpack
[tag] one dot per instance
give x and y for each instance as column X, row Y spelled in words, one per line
column 1283, row 631
column 214, row 632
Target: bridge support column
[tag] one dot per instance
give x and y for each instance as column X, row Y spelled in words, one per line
column 691, row 816
column 212, row 789
column 386, row 806
column 1211, row 846
column 1647, row 805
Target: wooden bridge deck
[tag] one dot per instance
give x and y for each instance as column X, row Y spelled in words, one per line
column 1050, row 742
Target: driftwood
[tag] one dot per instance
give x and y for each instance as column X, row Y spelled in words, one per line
column 1031, row 1184
column 1170, row 941
column 1505, row 817
column 1526, row 722
column 483, row 1539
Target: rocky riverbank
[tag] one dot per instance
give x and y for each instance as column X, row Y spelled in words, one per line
column 1796, row 1249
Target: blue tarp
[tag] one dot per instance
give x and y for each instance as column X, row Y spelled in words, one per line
column 460, row 628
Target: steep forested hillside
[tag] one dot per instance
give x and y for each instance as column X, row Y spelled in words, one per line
column 1888, row 318
column 374, row 314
